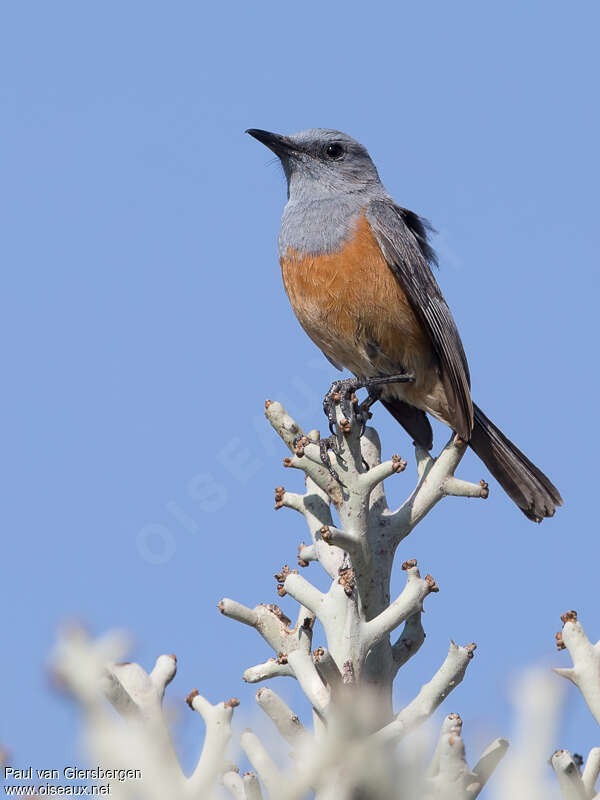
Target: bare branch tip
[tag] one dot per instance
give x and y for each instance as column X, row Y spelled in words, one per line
column 280, row 578
column 398, row 463
column 412, row 562
column 233, row 702
column 279, row 495
column 485, row 490
column 301, row 561
column 190, row 698
column 569, row 616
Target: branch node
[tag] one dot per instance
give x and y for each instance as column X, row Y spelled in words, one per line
column 398, row 463
column 190, row 698
column 569, row 616
column 280, row 578
column 347, row 580
column 301, row 561
column 279, row 493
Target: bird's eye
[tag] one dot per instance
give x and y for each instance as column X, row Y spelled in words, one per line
column 334, row 151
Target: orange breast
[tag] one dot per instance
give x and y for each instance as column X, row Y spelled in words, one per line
column 354, row 309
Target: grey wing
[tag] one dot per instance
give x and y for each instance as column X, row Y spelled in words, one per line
column 402, row 237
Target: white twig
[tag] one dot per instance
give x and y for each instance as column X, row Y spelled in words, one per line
column 568, row 775
column 305, row 593
column 591, row 770
column 234, row 785
column 409, row 603
column 308, row 678
column 273, row 668
column 482, row 771
column 585, row 672
column 262, row 763
column 217, row 719
column 409, row 641
column 252, row 787
column 436, row 481
column 451, row 723
column 431, row 695
column 287, row 723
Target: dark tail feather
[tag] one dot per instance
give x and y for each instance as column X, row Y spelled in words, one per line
column 531, row 490
column 413, row 420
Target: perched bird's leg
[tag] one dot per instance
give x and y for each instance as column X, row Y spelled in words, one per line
column 342, row 392
column 363, row 412
column 325, row 445
column 329, row 402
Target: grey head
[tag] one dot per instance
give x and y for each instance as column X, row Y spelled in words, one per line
column 321, row 162
column 330, row 178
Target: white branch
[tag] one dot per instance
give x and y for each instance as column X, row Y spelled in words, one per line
column 453, row 771
column 585, row 672
column 286, row 722
column 409, row 641
column 305, row 593
column 262, row 763
column 252, row 786
column 369, row 480
column 290, row 431
column 327, row 668
column 273, row 625
column 309, row 680
column 436, row 481
column 234, row 785
column 591, row 770
column 408, row 603
column 568, row 775
column 486, row 765
column 273, row 668
column 432, row 694
column 449, row 772
column 217, row 719
column 451, row 723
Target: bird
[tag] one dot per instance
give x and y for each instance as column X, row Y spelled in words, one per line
column 358, row 271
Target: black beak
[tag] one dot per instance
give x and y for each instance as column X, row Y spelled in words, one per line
column 280, row 145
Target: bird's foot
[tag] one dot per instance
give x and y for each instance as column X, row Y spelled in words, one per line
column 343, row 392
column 325, row 445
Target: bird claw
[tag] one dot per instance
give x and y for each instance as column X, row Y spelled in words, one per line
column 325, row 445
column 343, row 392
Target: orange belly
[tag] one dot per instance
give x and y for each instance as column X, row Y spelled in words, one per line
column 354, row 309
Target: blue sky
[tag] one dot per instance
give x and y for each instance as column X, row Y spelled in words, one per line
column 144, row 322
